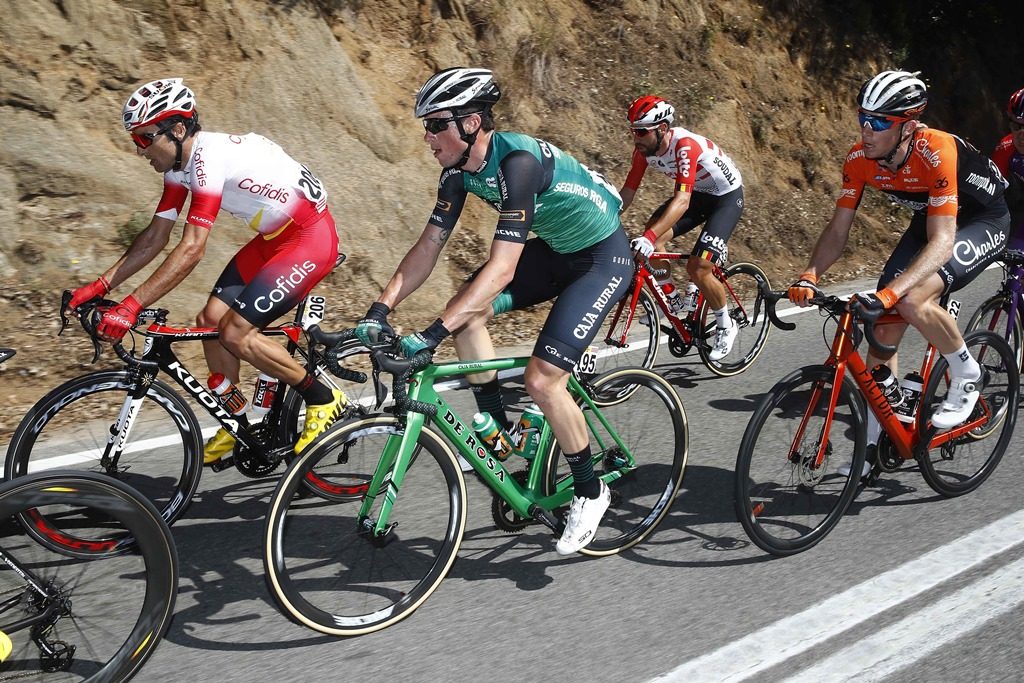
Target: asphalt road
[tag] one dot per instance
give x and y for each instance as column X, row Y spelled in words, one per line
column 908, row 587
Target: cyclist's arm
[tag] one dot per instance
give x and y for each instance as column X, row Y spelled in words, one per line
column 677, row 206
column 475, row 298
column 176, row 267
column 632, row 183
column 831, row 242
column 627, row 194
column 144, row 248
column 420, row 260
column 939, row 249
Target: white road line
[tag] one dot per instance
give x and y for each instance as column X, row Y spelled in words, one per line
column 887, row 651
column 793, row 635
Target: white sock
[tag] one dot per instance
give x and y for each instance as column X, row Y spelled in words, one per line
column 722, row 318
column 962, row 363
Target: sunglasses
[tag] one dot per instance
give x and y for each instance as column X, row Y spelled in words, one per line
column 642, row 132
column 144, row 140
column 877, row 123
column 437, row 126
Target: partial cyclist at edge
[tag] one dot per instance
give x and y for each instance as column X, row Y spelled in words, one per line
column 959, row 225
column 296, row 244
column 708, row 191
column 1009, row 158
column 580, row 255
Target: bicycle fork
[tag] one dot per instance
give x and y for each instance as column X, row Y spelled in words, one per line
column 121, row 429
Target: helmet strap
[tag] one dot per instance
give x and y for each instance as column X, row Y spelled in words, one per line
column 892, row 153
column 468, row 138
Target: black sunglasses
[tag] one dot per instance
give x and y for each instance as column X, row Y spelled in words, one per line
column 437, row 126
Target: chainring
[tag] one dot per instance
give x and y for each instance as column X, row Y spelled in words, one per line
column 505, row 519
column 888, row 459
column 255, row 465
column 676, row 345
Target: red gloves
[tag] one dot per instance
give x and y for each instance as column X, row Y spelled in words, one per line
column 118, row 320
column 99, row 288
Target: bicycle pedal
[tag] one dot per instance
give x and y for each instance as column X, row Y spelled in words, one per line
column 224, row 463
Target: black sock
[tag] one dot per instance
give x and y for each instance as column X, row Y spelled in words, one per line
column 585, row 482
column 313, row 392
column 488, row 400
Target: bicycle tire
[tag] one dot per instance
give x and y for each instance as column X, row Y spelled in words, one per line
column 990, row 315
column 643, row 338
column 652, row 422
column 747, row 309
column 788, row 505
column 91, row 616
column 963, row 464
column 162, row 458
column 325, row 573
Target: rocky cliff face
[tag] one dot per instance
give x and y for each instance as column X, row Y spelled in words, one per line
column 332, row 81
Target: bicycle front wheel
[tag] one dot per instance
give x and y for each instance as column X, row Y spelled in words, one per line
column 641, row 455
column 326, row 570
column 106, row 615
column 70, row 428
column 787, row 496
column 963, row 463
column 747, row 309
column 624, row 342
column 995, row 315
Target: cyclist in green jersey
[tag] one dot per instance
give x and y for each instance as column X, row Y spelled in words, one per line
column 580, row 255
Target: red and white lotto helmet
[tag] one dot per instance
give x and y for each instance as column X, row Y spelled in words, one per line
column 156, row 101
column 648, row 111
column 1015, row 107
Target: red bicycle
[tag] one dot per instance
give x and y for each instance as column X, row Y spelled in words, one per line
column 633, row 332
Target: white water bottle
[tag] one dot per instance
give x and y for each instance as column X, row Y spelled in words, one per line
column 690, row 299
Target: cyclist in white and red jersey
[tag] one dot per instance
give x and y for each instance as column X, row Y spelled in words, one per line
column 295, row 246
column 1009, row 158
column 708, row 191
column 959, row 226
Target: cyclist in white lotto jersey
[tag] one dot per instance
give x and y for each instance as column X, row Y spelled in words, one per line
column 708, row 191
column 295, row 245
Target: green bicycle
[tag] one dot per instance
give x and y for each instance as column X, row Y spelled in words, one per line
column 350, row 568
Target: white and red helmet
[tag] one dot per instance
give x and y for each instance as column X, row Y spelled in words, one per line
column 156, row 101
column 648, row 111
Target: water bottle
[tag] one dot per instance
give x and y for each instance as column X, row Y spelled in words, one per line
column 263, row 394
column 675, row 304
column 690, row 300
column 493, row 435
column 530, row 423
column 231, row 397
column 888, row 384
column 911, row 385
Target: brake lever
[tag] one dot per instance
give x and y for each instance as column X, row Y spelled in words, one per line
column 65, row 299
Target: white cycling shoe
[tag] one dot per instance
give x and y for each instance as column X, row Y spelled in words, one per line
column 959, row 404
column 724, row 337
column 584, row 517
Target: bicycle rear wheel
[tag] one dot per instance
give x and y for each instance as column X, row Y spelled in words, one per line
column 110, row 612
column 786, row 498
column 70, row 427
column 640, row 346
column 325, row 571
column 962, row 464
column 747, row 310
column 994, row 314
column 647, row 415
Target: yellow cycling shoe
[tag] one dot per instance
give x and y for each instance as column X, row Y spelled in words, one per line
column 319, row 418
column 5, row 646
column 219, row 445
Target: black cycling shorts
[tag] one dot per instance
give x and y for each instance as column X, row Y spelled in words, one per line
column 588, row 283
column 719, row 216
column 980, row 239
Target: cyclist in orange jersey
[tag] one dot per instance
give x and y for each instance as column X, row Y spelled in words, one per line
column 960, row 224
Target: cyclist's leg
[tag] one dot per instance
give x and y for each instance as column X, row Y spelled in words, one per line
column 711, row 248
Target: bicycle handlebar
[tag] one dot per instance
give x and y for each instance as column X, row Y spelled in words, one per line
column 89, row 315
column 332, row 341
column 385, row 358
column 833, row 305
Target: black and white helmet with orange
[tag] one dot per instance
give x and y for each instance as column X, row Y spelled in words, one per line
column 898, row 94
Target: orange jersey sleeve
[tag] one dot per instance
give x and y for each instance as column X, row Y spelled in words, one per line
column 853, row 178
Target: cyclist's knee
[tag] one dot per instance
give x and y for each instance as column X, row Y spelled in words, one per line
column 542, row 381
column 699, row 268
column 236, row 335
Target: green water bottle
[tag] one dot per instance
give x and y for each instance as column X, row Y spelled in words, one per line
column 493, row 435
column 530, row 424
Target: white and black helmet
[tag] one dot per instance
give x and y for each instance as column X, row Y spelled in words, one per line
column 156, row 101
column 461, row 90
column 894, row 93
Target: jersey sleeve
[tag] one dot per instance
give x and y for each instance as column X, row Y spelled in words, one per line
column 943, row 192
column 687, row 154
column 171, row 200
column 636, row 171
column 521, row 177
column 451, row 197
column 853, row 180
column 1002, row 155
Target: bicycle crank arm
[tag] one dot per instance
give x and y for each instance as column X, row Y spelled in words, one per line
column 545, row 517
column 225, row 463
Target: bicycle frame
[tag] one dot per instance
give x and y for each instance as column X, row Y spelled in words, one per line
column 909, row 439
column 528, row 501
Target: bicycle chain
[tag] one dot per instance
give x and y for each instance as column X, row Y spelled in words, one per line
column 255, row 465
